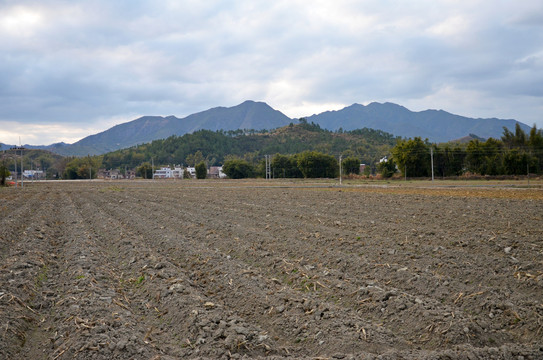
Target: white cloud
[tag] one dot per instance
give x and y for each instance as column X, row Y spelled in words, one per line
column 451, row 27
column 305, row 109
column 20, row 22
column 48, row 133
column 42, row 134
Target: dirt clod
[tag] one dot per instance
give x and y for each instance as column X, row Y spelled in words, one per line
column 168, row 270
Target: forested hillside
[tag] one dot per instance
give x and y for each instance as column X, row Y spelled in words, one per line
column 34, row 159
column 305, row 149
column 213, row 146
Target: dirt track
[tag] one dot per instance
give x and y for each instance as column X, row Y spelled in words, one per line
column 215, row 269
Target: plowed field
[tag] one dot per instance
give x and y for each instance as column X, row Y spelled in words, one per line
column 229, row 269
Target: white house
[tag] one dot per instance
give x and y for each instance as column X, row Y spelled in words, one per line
column 178, row 172
column 163, row 173
column 192, row 171
column 167, row 173
column 33, row 174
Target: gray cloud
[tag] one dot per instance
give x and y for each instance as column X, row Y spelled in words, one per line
column 91, row 64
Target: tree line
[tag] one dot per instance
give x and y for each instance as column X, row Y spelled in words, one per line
column 51, row 164
column 308, row 164
column 217, row 147
column 516, row 153
column 306, row 150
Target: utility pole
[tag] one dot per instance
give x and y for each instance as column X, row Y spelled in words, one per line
column 22, row 175
column 340, row 169
column 268, row 166
column 22, row 171
column 432, row 161
column 153, row 167
column 15, row 162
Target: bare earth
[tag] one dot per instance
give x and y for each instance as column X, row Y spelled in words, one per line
column 231, row 269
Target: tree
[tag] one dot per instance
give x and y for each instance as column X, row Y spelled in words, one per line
column 387, row 168
column 236, row 168
column 448, row 161
column 493, row 156
column 285, row 166
column 475, row 156
column 82, row 168
column 145, row 170
column 536, row 138
column 515, row 162
column 4, row 173
column 485, row 158
column 201, row 170
column 412, row 155
column 536, row 147
column 314, row 164
column 193, row 159
column 350, row 165
column 514, row 140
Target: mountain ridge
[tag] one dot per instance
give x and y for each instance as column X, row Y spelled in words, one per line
column 148, row 128
column 435, row 125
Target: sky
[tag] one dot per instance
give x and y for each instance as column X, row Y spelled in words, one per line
column 69, row 69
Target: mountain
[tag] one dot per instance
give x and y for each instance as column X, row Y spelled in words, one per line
column 436, row 125
column 247, row 115
column 56, row 148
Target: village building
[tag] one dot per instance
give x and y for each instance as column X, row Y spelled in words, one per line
column 33, row 174
column 115, row 174
column 168, row 173
column 111, row 174
column 192, row 171
column 163, row 173
column 130, row 174
column 215, row 172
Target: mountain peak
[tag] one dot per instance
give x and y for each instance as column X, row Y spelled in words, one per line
column 247, row 115
column 248, row 102
column 253, row 103
column 436, row 125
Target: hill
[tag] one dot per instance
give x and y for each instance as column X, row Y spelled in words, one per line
column 36, row 159
column 467, row 139
column 367, row 144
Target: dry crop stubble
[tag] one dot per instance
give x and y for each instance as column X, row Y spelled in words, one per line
column 281, row 269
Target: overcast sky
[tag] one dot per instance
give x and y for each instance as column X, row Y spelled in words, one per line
column 69, row 69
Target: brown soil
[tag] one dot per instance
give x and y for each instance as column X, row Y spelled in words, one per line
column 226, row 269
